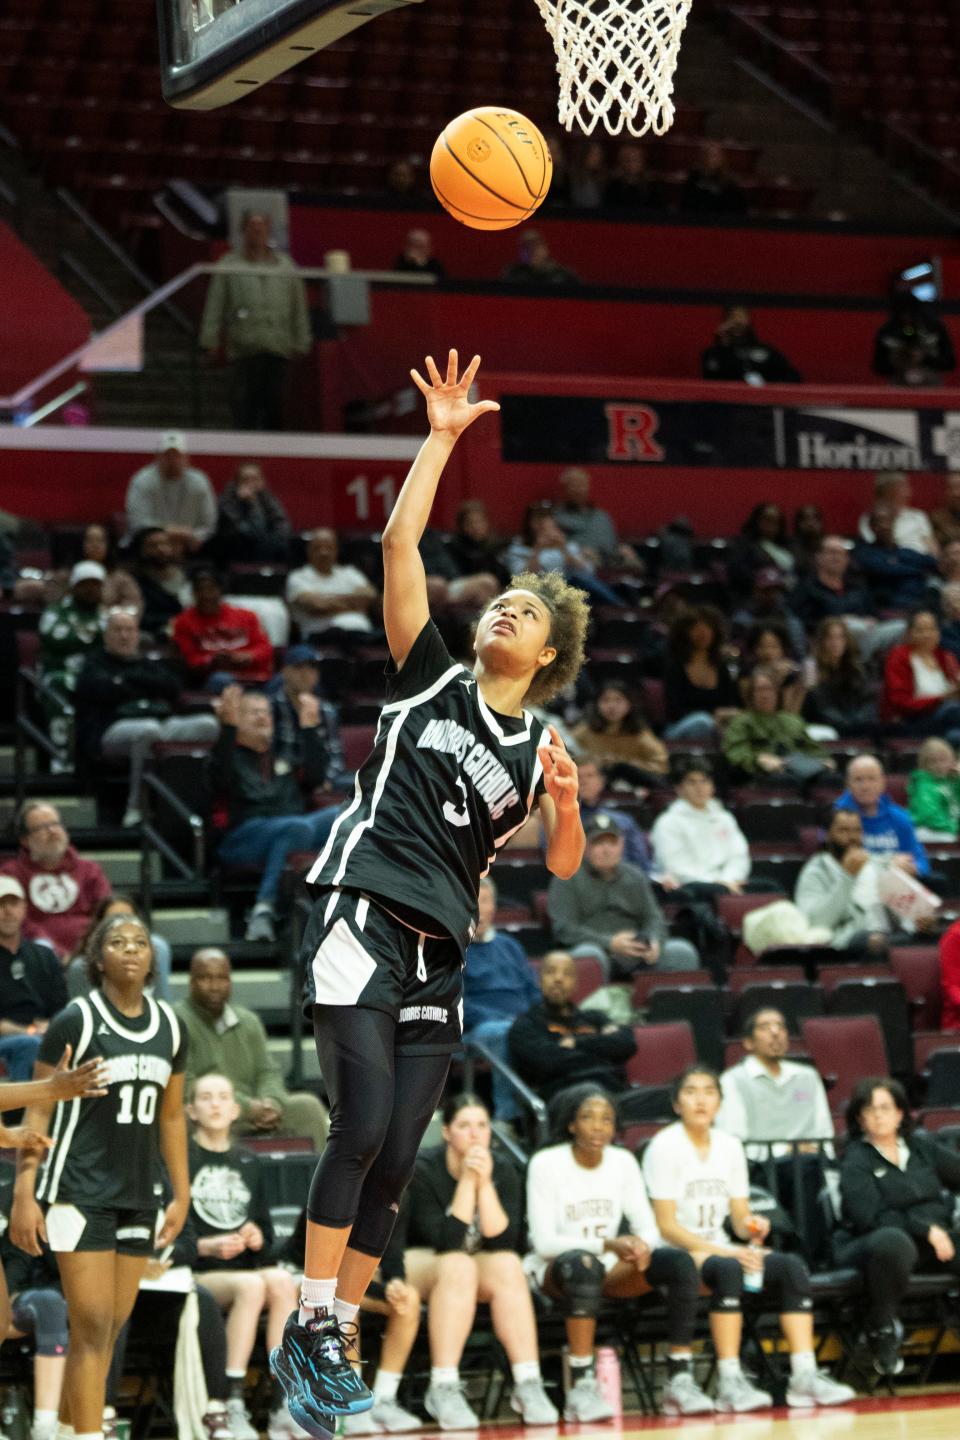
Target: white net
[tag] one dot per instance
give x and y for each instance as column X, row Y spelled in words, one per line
column 616, row 59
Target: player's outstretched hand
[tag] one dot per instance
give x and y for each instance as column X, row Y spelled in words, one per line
column 27, row 1227
column 88, row 1080
column 174, row 1219
column 559, row 772
column 20, row 1137
column 449, row 408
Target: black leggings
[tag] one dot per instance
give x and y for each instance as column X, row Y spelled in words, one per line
column 887, row 1258
column 577, row 1278
column 381, row 1103
column 786, row 1283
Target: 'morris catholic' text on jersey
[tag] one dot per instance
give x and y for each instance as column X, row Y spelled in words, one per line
column 447, row 783
column 106, row 1151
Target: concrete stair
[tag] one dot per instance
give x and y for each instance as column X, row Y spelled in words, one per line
column 193, row 925
column 122, row 867
column 256, row 989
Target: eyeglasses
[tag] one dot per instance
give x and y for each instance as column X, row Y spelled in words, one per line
column 47, row 825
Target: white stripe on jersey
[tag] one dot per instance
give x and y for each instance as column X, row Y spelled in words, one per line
column 390, row 753
column 493, row 724
column 174, row 1024
column 137, row 1036
column 54, row 1171
column 501, row 840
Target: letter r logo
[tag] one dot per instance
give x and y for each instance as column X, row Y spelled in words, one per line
column 630, row 432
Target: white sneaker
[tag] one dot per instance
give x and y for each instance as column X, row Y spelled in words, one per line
column 363, row 1424
column 282, row 1426
column 238, row 1419
column 260, row 925
column 532, row 1404
column 585, row 1402
column 391, row 1417
column 683, row 1396
column 131, row 818
column 448, row 1406
column 818, row 1388
column 215, row 1422
column 740, row 1395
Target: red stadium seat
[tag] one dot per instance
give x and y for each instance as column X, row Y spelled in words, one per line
column 662, row 1052
column 917, row 967
column 844, row 1049
column 648, row 980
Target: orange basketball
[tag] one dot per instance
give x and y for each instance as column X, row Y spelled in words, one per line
column 491, row 168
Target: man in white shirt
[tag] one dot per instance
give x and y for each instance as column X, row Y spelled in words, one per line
column 171, row 494
column 696, row 841
column 769, row 1098
column 326, row 597
column 839, row 888
column 911, row 527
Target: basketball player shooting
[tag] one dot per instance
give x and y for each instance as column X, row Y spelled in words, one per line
column 455, row 768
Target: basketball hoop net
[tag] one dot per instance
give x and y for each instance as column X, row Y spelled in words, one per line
column 616, row 59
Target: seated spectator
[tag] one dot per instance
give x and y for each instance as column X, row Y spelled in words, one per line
column 589, row 173
column 631, row 186
column 838, row 889
column 230, row 1214
column 161, row 579
column 895, row 1217
column 124, row 703
column 738, row 354
column 766, row 745
column 300, row 675
column 265, row 809
column 586, row 525
column 888, row 831
column 697, row 843
column 327, row 598
column 709, row 188
column 32, row 987
column 542, row 545
column 763, row 543
column 807, row 536
column 948, row 563
column 608, row 910
column 913, row 347
column 768, row 605
column 921, row 682
column 950, row 617
column 73, row 627
column 950, row 977
column 445, row 584
column 62, row 889
column 699, row 692
column 230, row 1040
column 616, row 732
column 119, row 588
column 473, row 546
column 77, row 971
column 498, row 985
column 220, row 642
column 933, row 792
column 417, row 257
column 768, row 1098
column 171, row 494
column 581, row 1194
column 535, row 265
column 839, row 694
column 556, row 1044
column 402, row 183
column 827, row 591
column 38, row 1312
column 768, row 647
column 252, row 525
column 946, row 520
column 592, row 783
column 911, row 527
column 696, row 1176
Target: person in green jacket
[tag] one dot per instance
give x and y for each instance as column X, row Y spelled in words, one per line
column 259, row 321
column 933, row 791
column 766, row 743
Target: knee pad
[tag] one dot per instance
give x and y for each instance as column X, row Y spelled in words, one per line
column 724, row 1277
column 46, row 1314
column 579, row 1276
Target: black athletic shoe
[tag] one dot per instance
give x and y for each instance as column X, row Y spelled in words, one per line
column 885, row 1348
column 317, row 1379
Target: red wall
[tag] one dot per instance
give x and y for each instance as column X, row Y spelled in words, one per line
column 41, row 321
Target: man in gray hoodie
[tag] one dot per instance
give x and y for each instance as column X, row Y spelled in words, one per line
column 837, row 888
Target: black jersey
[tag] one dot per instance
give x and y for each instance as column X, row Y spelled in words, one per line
column 227, row 1188
column 447, row 783
column 106, row 1151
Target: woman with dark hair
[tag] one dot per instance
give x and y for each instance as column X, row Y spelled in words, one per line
column 580, row 1191
column 102, row 1177
column 808, row 531
column 768, row 647
column 77, row 970
column 894, row 1216
column 839, row 693
column 699, row 692
column 696, row 1177
column 120, row 590
column 616, row 733
column 763, row 542
column 456, row 1243
column 921, row 682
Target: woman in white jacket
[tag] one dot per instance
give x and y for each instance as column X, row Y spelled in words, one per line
column 696, row 841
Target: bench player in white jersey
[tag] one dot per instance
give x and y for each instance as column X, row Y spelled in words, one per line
column 100, row 1185
column 456, row 766
column 696, row 1177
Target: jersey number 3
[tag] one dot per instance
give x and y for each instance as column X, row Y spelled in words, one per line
column 146, row 1105
column 457, row 817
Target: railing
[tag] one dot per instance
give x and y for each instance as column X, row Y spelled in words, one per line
column 476, row 1049
column 31, row 685
column 152, row 842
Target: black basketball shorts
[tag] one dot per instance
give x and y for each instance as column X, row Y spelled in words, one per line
column 72, row 1228
column 355, row 953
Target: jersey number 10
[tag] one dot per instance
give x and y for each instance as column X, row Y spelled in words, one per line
column 146, row 1105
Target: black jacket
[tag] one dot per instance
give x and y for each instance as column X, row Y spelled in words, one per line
column 111, row 688
column 547, row 1066
column 259, row 786
column 33, row 985
column 876, row 1192
column 424, row 1218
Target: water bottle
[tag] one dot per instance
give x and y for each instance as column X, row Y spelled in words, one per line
column 753, row 1279
column 608, row 1378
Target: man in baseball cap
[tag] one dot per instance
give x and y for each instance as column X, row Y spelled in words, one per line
column 300, row 675
column 171, row 494
column 32, row 984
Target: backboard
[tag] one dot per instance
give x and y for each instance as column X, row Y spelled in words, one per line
column 214, row 51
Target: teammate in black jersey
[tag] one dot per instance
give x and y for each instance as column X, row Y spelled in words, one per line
column 101, row 1181
column 456, row 766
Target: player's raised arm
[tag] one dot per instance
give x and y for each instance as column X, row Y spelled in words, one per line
column 450, row 411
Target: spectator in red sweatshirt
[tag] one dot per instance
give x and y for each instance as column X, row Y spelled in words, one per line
column 950, row 977
column 62, row 889
column 921, row 682
column 220, row 643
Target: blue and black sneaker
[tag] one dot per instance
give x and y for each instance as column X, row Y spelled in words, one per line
column 318, row 1380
